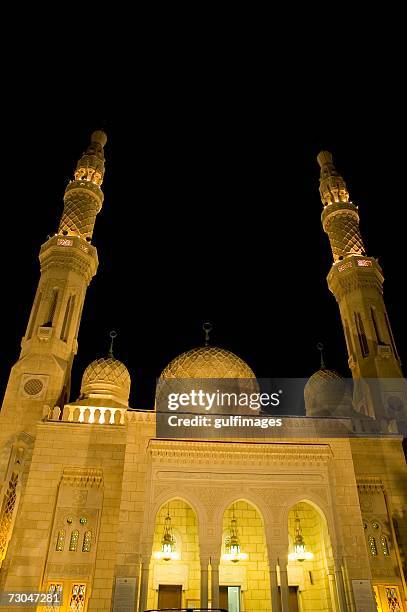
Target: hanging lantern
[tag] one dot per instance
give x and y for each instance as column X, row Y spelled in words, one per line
column 167, row 552
column 232, row 543
column 300, row 553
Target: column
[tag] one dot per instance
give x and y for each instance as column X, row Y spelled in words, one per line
column 340, row 587
column 332, row 589
column 215, row 581
column 144, row 571
column 275, row 598
column 284, row 585
column 204, row 582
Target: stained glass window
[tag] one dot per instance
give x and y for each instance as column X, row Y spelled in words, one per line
column 60, row 540
column 376, row 598
column 6, row 514
column 77, row 598
column 393, row 600
column 372, row 546
column 73, row 543
column 385, row 546
column 87, row 541
column 53, row 589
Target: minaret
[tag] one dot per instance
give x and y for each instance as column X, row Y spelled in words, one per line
column 40, row 379
column 356, row 280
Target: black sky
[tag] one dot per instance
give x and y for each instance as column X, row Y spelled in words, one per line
column 211, row 212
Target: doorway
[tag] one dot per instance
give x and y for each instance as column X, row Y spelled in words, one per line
column 229, row 598
column 169, row 596
column 292, row 598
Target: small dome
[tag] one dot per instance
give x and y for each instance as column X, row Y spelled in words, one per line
column 207, row 362
column 107, row 377
column 326, row 394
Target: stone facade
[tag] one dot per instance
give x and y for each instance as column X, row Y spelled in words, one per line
column 87, row 486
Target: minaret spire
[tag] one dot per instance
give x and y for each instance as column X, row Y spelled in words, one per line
column 340, row 218
column 83, row 197
column 356, row 281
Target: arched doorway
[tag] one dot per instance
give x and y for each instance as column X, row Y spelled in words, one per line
column 174, row 576
column 244, row 581
column 310, row 575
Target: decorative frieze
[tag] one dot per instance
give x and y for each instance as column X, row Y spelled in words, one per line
column 370, row 484
column 249, row 454
column 82, row 477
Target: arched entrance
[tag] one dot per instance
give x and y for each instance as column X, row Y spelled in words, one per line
column 244, row 582
column 174, row 576
column 311, row 583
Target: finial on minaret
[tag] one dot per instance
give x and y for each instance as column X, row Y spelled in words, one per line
column 207, row 327
column 320, row 347
column 112, row 335
column 332, row 186
column 91, row 166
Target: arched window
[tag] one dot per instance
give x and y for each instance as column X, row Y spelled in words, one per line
column 372, row 546
column 376, row 325
column 52, row 307
column 60, row 540
column 73, row 542
column 87, row 541
column 7, row 514
column 66, row 325
column 364, row 347
column 385, row 546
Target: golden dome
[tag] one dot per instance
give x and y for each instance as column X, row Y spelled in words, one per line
column 106, row 377
column 207, row 362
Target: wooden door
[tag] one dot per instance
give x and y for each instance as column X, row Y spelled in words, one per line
column 292, row 599
column 223, row 597
column 169, row 596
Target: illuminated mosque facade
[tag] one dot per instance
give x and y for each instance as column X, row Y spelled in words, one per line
column 95, row 505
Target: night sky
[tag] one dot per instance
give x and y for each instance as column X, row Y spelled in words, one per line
column 210, row 213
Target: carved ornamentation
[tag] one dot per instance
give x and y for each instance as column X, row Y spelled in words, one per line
column 260, row 454
column 82, row 477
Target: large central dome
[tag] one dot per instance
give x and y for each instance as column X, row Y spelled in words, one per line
column 207, row 362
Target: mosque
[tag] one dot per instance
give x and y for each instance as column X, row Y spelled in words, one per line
column 95, row 506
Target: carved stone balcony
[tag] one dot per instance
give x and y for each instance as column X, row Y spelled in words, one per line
column 89, row 414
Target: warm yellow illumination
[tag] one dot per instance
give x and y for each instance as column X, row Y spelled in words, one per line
column 166, row 555
column 232, row 544
column 299, row 553
column 234, row 557
column 167, row 552
column 306, row 556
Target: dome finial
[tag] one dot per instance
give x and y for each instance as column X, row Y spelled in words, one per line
column 207, row 327
column 112, row 335
column 320, row 347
